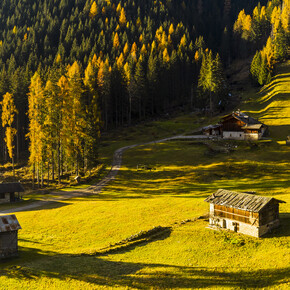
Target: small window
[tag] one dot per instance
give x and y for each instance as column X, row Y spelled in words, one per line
column 236, row 227
column 240, row 135
column 224, row 224
column 2, row 195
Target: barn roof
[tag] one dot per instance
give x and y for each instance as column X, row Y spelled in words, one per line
column 11, row 187
column 247, row 120
column 211, row 127
column 9, row 223
column 244, row 201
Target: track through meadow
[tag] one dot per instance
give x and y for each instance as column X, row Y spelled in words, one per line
column 96, row 188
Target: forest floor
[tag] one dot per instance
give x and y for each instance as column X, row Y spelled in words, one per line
column 147, row 228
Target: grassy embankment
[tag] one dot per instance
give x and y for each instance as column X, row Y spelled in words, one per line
column 62, row 245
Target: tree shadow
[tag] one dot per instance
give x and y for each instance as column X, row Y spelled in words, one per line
column 283, row 230
column 36, row 206
column 101, row 272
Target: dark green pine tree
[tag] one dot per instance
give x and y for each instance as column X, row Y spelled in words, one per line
column 153, row 82
column 211, row 78
column 263, row 74
column 256, row 67
column 141, row 86
column 280, row 44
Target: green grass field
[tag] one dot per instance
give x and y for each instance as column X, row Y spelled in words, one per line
column 89, row 242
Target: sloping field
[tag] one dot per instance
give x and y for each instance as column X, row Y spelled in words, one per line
column 272, row 106
column 147, row 230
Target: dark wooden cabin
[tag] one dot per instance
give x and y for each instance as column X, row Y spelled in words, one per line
column 240, row 126
column 9, row 192
column 9, row 227
column 244, row 213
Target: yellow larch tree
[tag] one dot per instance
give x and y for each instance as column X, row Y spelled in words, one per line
column 143, row 50
column 285, row 16
column 119, row 7
column 122, row 18
column 126, row 49
column 247, row 23
column 92, row 117
column 166, row 57
column 120, row 60
column 35, row 115
column 275, row 19
column 75, row 115
column 116, row 41
column 171, row 29
column 93, row 10
column 238, row 25
column 8, row 113
column 134, row 51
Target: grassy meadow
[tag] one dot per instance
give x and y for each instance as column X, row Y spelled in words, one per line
column 105, row 240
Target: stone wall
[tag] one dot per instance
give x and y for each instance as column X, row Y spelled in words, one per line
column 6, row 199
column 8, row 244
column 234, row 135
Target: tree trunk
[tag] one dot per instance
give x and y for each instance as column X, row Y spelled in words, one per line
column 17, row 140
column 210, row 104
column 13, row 166
column 33, row 176
column 42, row 181
column 48, row 173
column 52, row 166
column 58, row 163
column 37, row 171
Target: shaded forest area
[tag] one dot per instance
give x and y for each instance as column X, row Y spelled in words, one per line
column 120, row 61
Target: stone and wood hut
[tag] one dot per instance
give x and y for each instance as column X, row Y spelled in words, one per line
column 244, row 213
column 240, row 126
column 9, row 192
column 212, row 130
column 9, row 227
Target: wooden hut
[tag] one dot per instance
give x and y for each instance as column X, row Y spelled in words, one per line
column 9, row 227
column 240, row 126
column 212, row 130
column 9, row 192
column 244, row 213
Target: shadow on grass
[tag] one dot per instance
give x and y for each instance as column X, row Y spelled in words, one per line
column 102, row 272
column 138, row 240
column 36, row 206
column 284, row 228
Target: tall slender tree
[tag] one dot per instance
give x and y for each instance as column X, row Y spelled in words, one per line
column 8, row 113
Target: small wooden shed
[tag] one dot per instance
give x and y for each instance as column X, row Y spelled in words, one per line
column 9, row 190
column 212, row 130
column 9, row 227
column 244, row 213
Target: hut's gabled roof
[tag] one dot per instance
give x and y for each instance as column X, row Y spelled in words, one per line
column 247, row 120
column 244, row 201
column 11, row 187
column 9, row 223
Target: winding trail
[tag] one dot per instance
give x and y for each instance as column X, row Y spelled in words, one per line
column 97, row 188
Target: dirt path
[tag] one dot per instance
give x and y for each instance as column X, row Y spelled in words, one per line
column 95, row 189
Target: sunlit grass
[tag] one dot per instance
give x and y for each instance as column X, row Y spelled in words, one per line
column 271, row 105
column 59, row 242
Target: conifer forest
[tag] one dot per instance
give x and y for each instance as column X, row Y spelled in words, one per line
column 70, row 70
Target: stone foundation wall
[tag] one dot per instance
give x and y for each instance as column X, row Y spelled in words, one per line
column 6, row 199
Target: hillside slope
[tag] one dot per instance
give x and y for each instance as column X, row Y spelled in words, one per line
column 272, row 104
column 101, row 241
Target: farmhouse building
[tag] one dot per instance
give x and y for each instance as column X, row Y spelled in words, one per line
column 9, row 227
column 244, row 213
column 240, row 126
column 8, row 191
